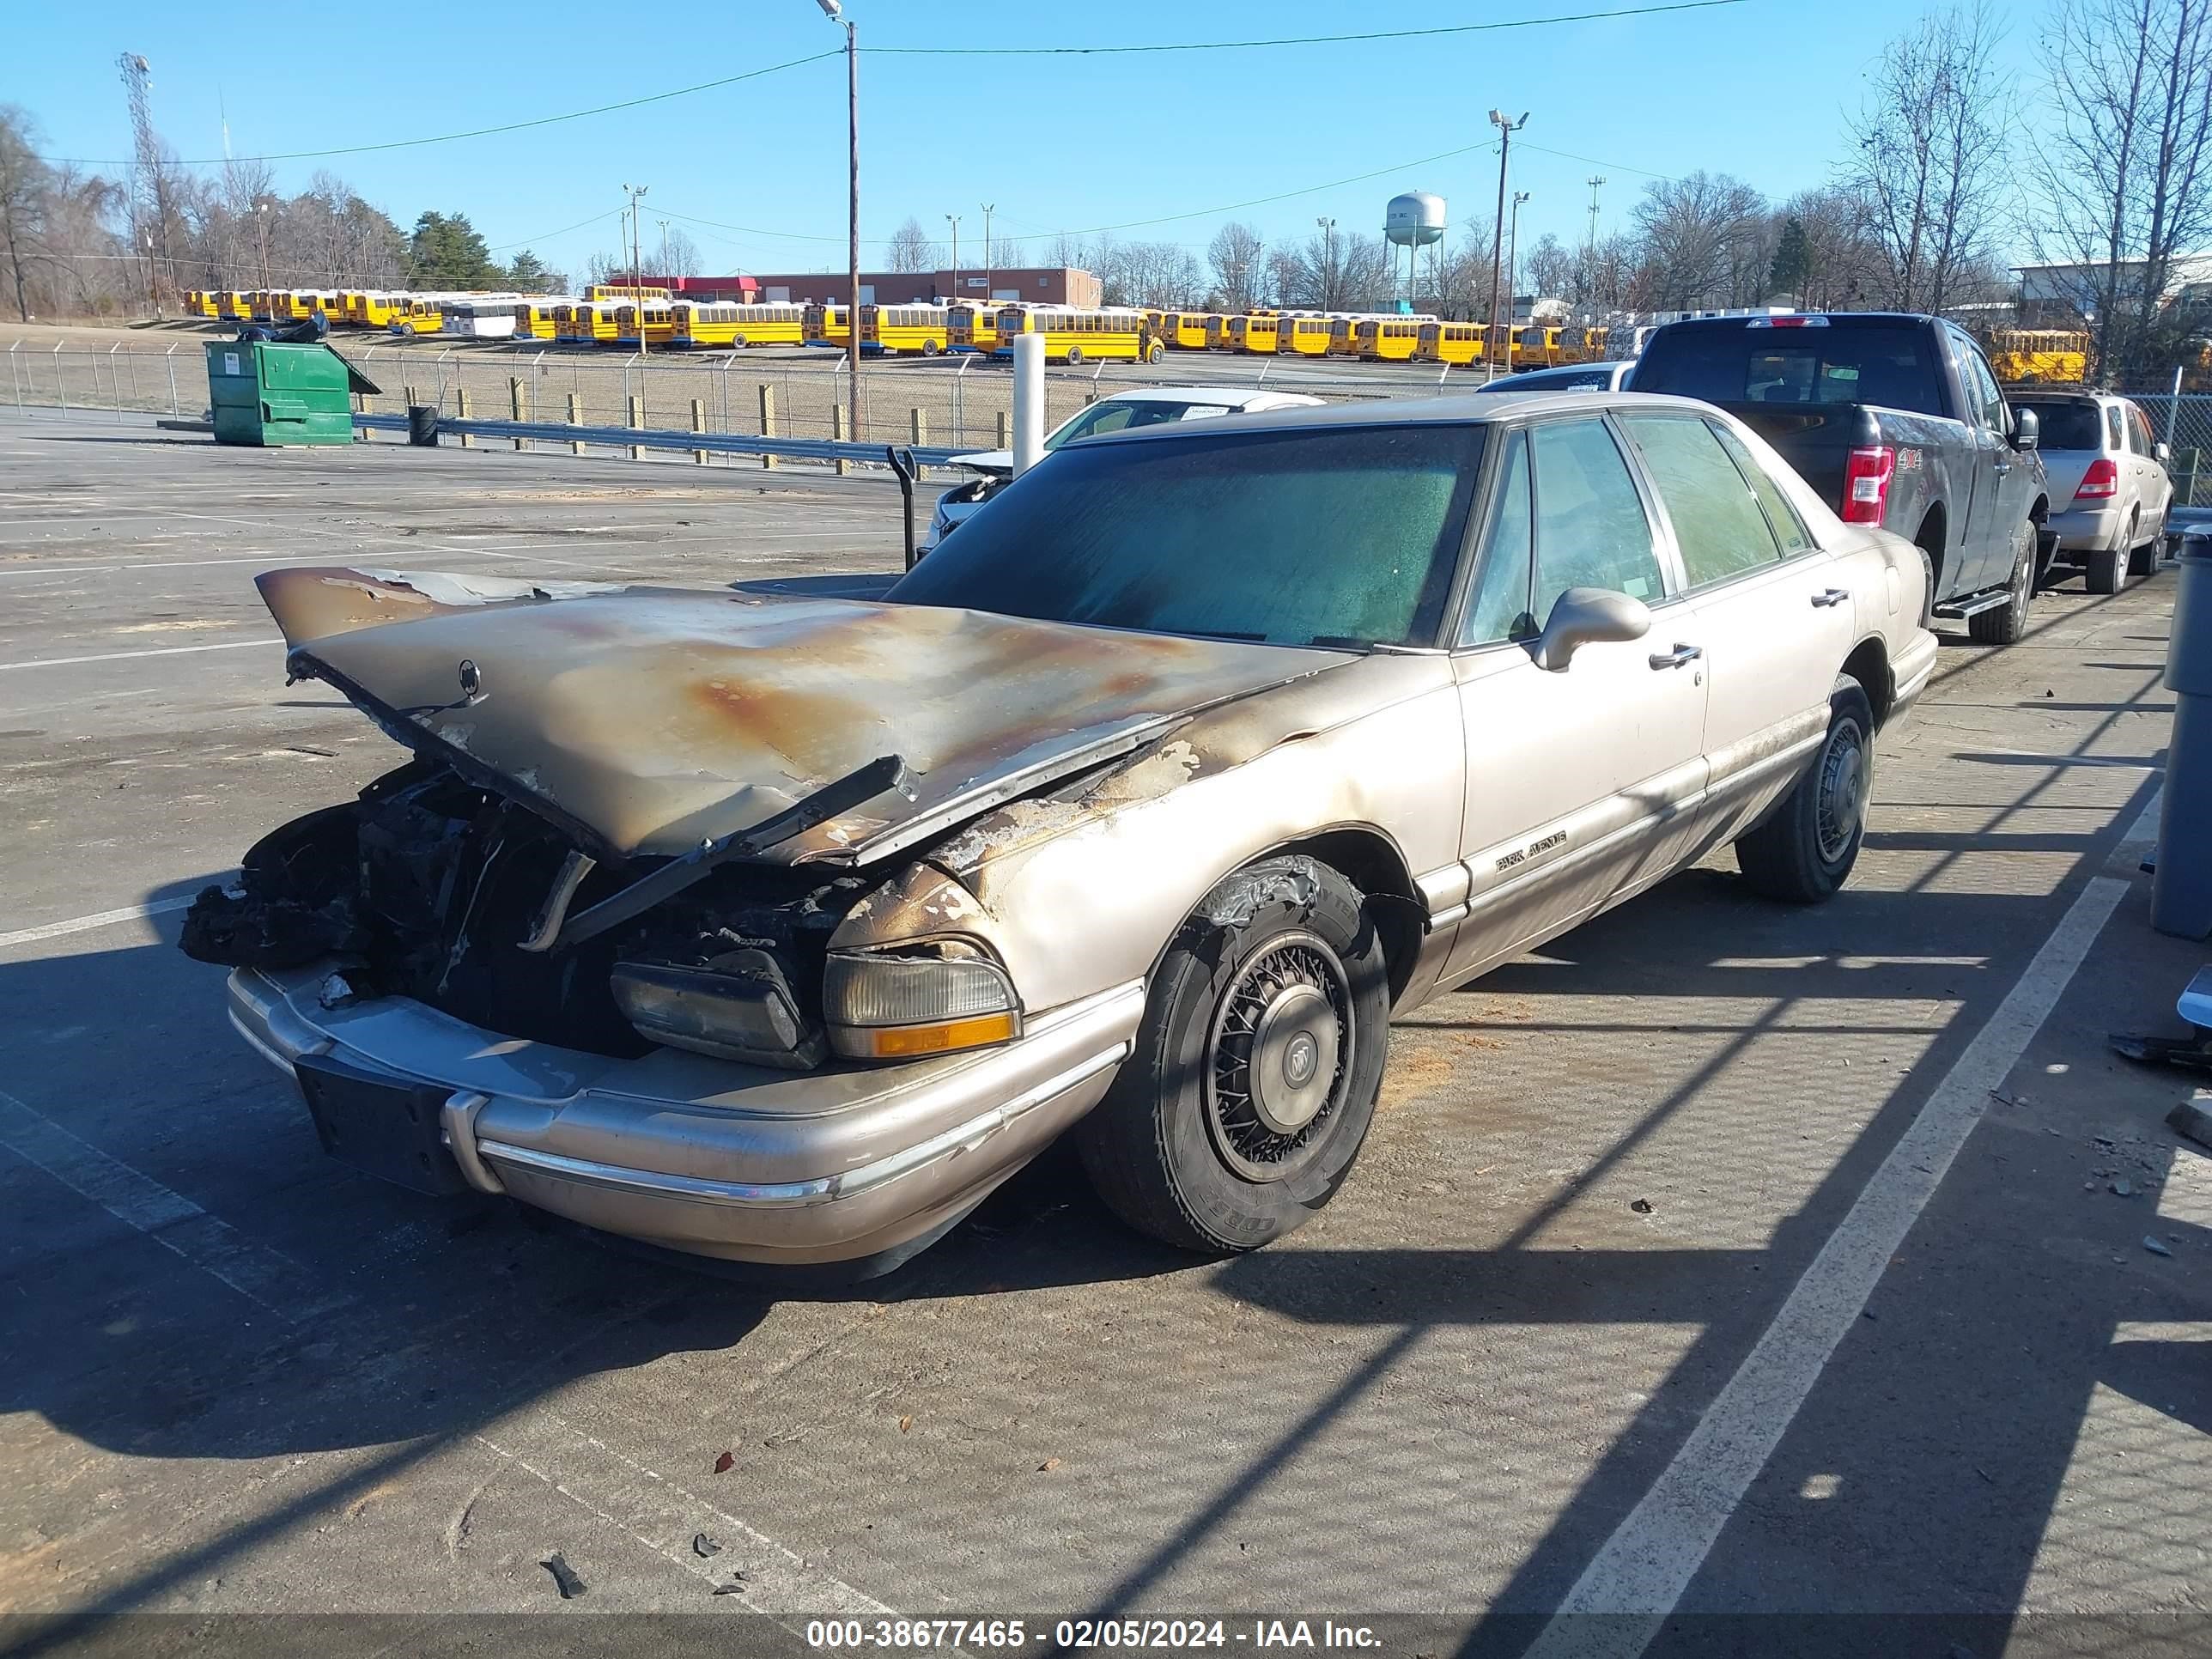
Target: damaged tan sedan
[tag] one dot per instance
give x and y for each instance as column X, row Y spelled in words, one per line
column 784, row 930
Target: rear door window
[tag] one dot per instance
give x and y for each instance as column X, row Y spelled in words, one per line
column 1781, row 517
column 2068, row 423
column 1719, row 524
column 1590, row 527
column 2139, row 438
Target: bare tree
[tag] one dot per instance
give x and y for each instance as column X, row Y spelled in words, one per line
column 910, row 249
column 1703, row 242
column 1548, row 267
column 25, row 181
column 679, row 254
column 1237, row 255
column 1931, row 152
column 1458, row 285
column 2125, row 174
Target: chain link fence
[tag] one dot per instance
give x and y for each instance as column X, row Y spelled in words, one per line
column 2182, row 420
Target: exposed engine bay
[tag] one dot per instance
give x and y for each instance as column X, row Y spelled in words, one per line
column 428, row 887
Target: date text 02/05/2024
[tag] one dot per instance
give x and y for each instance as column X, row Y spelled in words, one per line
column 1071, row 1634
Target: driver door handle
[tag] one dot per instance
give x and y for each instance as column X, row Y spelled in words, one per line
column 1827, row 597
column 1677, row 657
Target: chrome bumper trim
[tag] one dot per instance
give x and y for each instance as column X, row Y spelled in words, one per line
column 800, row 1193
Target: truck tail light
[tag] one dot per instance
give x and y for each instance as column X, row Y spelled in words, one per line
column 1866, row 483
column 2100, row 483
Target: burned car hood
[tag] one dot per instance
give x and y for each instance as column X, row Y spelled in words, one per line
column 645, row 720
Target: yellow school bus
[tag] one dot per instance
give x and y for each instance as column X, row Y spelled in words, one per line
column 1077, row 336
column 1255, row 331
column 533, row 319
column 972, row 326
column 417, row 314
column 657, row 317
column 199, row 303
column 904, row 330
column 826, row 326
column 729, row 323
column 1380, row 340
column 233, row 304
column 2050, row 355
column 1303, row 336
column 1185, row 331
column 624, row 291
column 1537, row 347
column 384, row 310
column 1449, row 343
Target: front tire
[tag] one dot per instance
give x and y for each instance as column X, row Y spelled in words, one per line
column 1253, row 1074
column 1804, row 851
column 1074, row 355
column 2004, row 624
column 1154, row 352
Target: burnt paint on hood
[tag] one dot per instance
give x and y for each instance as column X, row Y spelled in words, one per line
column 655, row 718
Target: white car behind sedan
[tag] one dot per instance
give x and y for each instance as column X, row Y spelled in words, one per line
column 1151, row 405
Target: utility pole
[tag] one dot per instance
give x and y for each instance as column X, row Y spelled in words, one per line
column 1505, row 131
column 1596, row 183
column 261, row 223
column 1328, row 227
column 636, row 193
column 953, row 219
column 834, row 10
column 663, row 247
column 986, row 252
column 149, row 183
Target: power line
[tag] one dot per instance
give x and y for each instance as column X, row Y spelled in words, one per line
column 547, row 236
column 484, row 133
column 936, row 51
column 1297, row 39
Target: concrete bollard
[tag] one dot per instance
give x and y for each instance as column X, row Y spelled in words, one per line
column 699, row 424
column 637, row 424
column 575, row 418
column 767, row 422
column 1029, row 401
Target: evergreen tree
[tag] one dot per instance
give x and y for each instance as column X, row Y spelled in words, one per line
column 448, row 252
column 530, row 275
column 1793, row 260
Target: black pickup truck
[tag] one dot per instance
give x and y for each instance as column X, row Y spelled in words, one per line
column 1896, row 420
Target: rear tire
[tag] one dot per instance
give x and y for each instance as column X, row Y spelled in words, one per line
column 2108, row 569
column 2006, row 623
column 1804, row 852
column 1074, row 355
column 1253, row 1074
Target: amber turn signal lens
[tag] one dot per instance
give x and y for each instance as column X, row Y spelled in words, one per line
column 906, row 1042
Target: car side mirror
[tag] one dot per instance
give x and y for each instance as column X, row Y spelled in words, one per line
column 2164, row 452
column 1589, row 616
column 2026, row 429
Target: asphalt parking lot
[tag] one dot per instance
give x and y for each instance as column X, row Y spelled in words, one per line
column 1721, row 1259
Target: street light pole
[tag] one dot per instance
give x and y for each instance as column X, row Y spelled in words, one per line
column 1328, row 227
column 834, row 10
column 986, row 252
column 953, row 219
column 1505, row 131
column 1512, row 271
column 636, row 192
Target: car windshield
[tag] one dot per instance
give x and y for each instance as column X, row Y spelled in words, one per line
column 2067, row 423
column 1112, row 416
column 1890, row 367
column 1330, row 535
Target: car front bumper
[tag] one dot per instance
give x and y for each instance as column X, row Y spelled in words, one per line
column 712, row 1157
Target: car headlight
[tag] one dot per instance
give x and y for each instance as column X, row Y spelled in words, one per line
column 738, row 1006
column 918, row 999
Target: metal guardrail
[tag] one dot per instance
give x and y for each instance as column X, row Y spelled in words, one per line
column 724, row 443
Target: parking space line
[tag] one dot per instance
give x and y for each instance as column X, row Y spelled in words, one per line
column 127, row 656
column 97, row 919
column 1639, row 1574
column 261, row 1275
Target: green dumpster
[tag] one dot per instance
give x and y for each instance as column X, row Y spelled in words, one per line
column 263, row 391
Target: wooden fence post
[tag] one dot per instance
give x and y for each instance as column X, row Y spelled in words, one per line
column 837, row 432
column 576, row 418
column 461, row 408
column 767, row 421
column 518, row 400
column 637, row 424
column 919, row 423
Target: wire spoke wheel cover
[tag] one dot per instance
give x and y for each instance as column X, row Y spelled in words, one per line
column 1843, row 789
column 1278, row 1056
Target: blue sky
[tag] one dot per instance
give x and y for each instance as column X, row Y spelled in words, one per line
column 1758, row 89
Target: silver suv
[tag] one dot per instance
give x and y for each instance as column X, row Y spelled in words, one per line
column 2109, row 489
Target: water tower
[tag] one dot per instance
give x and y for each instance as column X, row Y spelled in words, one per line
column 1413, row 221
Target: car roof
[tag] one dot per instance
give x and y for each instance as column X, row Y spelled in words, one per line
column 1224, row 396
column 1552, row 372
column 2060, row 394
column 1465, row 407
column 1835, row 319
